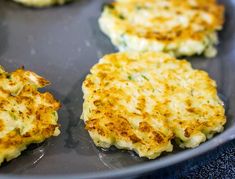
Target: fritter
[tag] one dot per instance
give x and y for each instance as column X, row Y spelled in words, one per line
column 177, row 27
column 41, row 3
column 26, row 115
column 142, row 100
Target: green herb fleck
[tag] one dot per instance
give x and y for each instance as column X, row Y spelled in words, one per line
column 140, row 7
column 192, row 91
column 11, row 113
column 145, row 77
column 121, row 17
column 137, row 7
column 54, row 113
column 130, row 77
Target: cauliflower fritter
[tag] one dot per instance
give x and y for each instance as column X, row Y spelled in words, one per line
column 141, row 101
column 41, row 3
column 177, row 27
column 26, row 115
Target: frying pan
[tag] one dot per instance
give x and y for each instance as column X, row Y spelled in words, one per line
column 62, row 44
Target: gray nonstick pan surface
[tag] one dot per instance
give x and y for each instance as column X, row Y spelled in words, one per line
column 62, row 44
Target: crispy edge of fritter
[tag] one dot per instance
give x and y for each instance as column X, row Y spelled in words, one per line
column 172, row 43
column 201, row 132
column 14, row 143
column 41, row 3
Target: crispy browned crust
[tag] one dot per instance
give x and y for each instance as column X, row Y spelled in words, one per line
column 20, row 100
column 141, row 101
column 177, row 7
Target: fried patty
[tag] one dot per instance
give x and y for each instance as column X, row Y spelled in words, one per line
column 141, row 101
column 41, row 3
column 177, row 27
column 26, row 115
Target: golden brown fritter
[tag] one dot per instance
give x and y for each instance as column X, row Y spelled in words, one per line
column 141, row 101
column 178, row 27
column 26, row 115
column 41, row 3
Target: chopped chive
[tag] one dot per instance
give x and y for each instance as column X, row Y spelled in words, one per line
column 145, row 77
column 121, row 17
column 139, row 7
column 130, row 77
column 192, row 92
column 12, row 115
